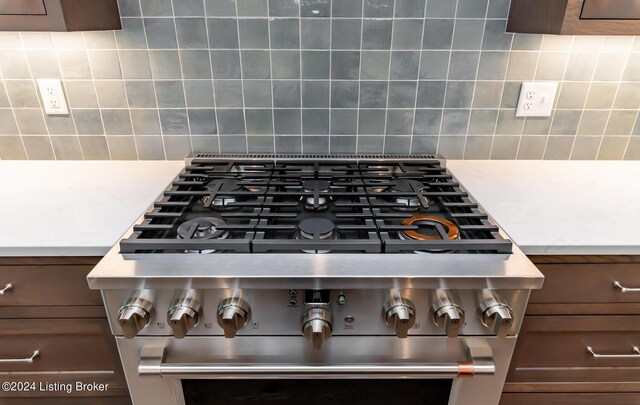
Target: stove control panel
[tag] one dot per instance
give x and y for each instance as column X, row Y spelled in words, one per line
column 316, row 314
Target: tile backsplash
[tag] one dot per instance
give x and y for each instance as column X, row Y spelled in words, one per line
column 317, row 76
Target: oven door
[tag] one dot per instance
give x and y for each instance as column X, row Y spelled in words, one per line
column 287, row 370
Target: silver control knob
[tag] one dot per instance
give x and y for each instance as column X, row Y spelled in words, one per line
column 317, row 325
column 400, row 314
column 233, row 314
column 447, row 313
column 183, row 315
column 496, row 315
column 134, row 315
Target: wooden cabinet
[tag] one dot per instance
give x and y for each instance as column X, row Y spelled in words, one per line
column 59, row 15
column 51, row 310
column 575, row 17
column 579, row 307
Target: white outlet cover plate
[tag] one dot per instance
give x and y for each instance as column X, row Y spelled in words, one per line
column 52, row 95
column 536, row 99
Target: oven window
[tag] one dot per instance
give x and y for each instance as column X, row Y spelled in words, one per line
column 317, row 392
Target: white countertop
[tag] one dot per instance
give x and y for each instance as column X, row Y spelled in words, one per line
column 560, row 207
column 82, row 208
column 69, row 208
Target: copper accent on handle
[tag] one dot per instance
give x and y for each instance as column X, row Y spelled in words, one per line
column 452, row 230
column 466, row 369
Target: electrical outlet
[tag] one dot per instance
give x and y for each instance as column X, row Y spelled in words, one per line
column 536, row 99
column 53, row 97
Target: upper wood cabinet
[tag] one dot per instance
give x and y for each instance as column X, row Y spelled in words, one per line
column 575, row 17
column 59, row 15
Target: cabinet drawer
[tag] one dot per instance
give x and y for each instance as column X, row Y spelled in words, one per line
column 554, row 349
column 587, row 283
column 47, row 286
column 22, row 7
column 70, row 350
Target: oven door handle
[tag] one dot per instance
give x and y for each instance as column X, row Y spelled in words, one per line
column 152, row 364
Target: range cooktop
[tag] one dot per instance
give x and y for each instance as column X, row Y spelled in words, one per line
column 225, row 203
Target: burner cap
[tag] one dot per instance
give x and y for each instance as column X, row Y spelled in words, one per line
column 205, row 228
column 322, row 226
column 405, row 185
column 311, row 185
column 224, row 184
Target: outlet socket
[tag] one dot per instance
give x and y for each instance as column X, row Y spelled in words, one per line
column 537, row 99
column 53, row 99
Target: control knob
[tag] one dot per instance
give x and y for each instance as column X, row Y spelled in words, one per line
column 317, row 325
column 134, row 315
column 183, row 314
column 496, row 314
column 233, row 314
column 447, row 313
column 400, row 314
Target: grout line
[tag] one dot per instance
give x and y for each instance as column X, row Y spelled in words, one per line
column 244, row 110
column 330, row 70
column 475, row 85
column 153, row 81
column 300, row 67
column 271, row 89
column 415, row 104
column 184, row 90
column 446, row 87
column 215, row 102
column 386, row 115
column 126, row 94
column 360, row 77
column 504, row 85
column 24, row 148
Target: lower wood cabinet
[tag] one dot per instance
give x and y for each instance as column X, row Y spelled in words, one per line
column 52, row 311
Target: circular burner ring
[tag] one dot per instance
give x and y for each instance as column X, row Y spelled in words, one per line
column 207, row 228
column 452, row 230
column 324, row 227
column 405, row 185
column 310, row 185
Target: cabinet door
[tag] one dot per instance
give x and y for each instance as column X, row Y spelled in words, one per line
column 611, row 9
column 22, row 7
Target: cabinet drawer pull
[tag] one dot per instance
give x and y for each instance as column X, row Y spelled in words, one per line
column 35, row 354
column 616, row 284
column 6, row 289
column 595, row 355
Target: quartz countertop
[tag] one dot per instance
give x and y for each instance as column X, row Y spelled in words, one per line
column 75, row 208
column 69, row 208
column 559, row 207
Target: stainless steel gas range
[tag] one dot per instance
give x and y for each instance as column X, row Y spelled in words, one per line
column 324, row 279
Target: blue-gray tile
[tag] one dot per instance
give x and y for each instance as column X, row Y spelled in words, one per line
column 88, row 122
column 467, row 34
column 259, row 122
column 135, row 64
column 375, row 65
column 495, row 35
column 399, row 122
column 145, row 122
column 74, row 64
column 370, row 144
column 441, row 8
column 438, row 34
column 286, row 93
column 8, row 124
column 315, row 122
column 12, row 148
column 397, row 144
column 508, row 123
column 202, row 121
column 288, row 144
column 189, row 8
column 156, row 8
column 284, row 8
column 231, row 122
column 287, row 121
column 111, row 94
column 117, row 122
column 315, row 8
column 378, row 8
column 344, row 122
column 425, row 144
column 129, row 8
column 347, row 8
column 284, row 33
column 254, row 33
column 565, row 122
column 376, row 34
column 228, row 93
column 252, row 8
column 192, row 33
column 315, row 34
column 345, row 33
column 498, row 9
column 257, row 93
column 285, row 64
column 343, row 144
column 344, row 94
column 261, row 144
column 170, row 94
column 44, row 64
column 345, row 64
column 161, row 33
column 431, row 94
column 315, row 64
column 478, row 147
column 100, row 39
column 455, row 122
column 372, row 122
column 505, row 147
column 174, row 122
column 493, row 65
column 60, row 124
column 94, row 147
column 22, row 94
column 427, row 122
column 404, row 65
column 410, row 8
column 463, row 65
column 195, row 64
column 105, row 64
column 165, row 64
column 373, row 94
column 233, row 144
column 68, row 148
column 220, row 8
column 315, row 144
column 80, row 94
column 483, row 122
column 402, row 94
column 472, row 8
column 222, row 33
column 255, row 65
column 452, row 147
column 199, row 93
column 407, row 34
column 434, row 64
column 176, row 147
column 132, row 34
column 315, row 94
column 459, row 94
column 225, row 64
column 140, row 94
column 206, row 143
column 150, row 147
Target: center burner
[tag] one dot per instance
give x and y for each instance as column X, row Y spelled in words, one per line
column 317, row 228
column 202, row 228
column 411, row 197
column 221, row 201
column 316, row 202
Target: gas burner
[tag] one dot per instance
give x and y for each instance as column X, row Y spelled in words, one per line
column 202, row 228
column 322, row 227
column 315, row 186
column 427, row 220
column 223, row 202
column 409, row 202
